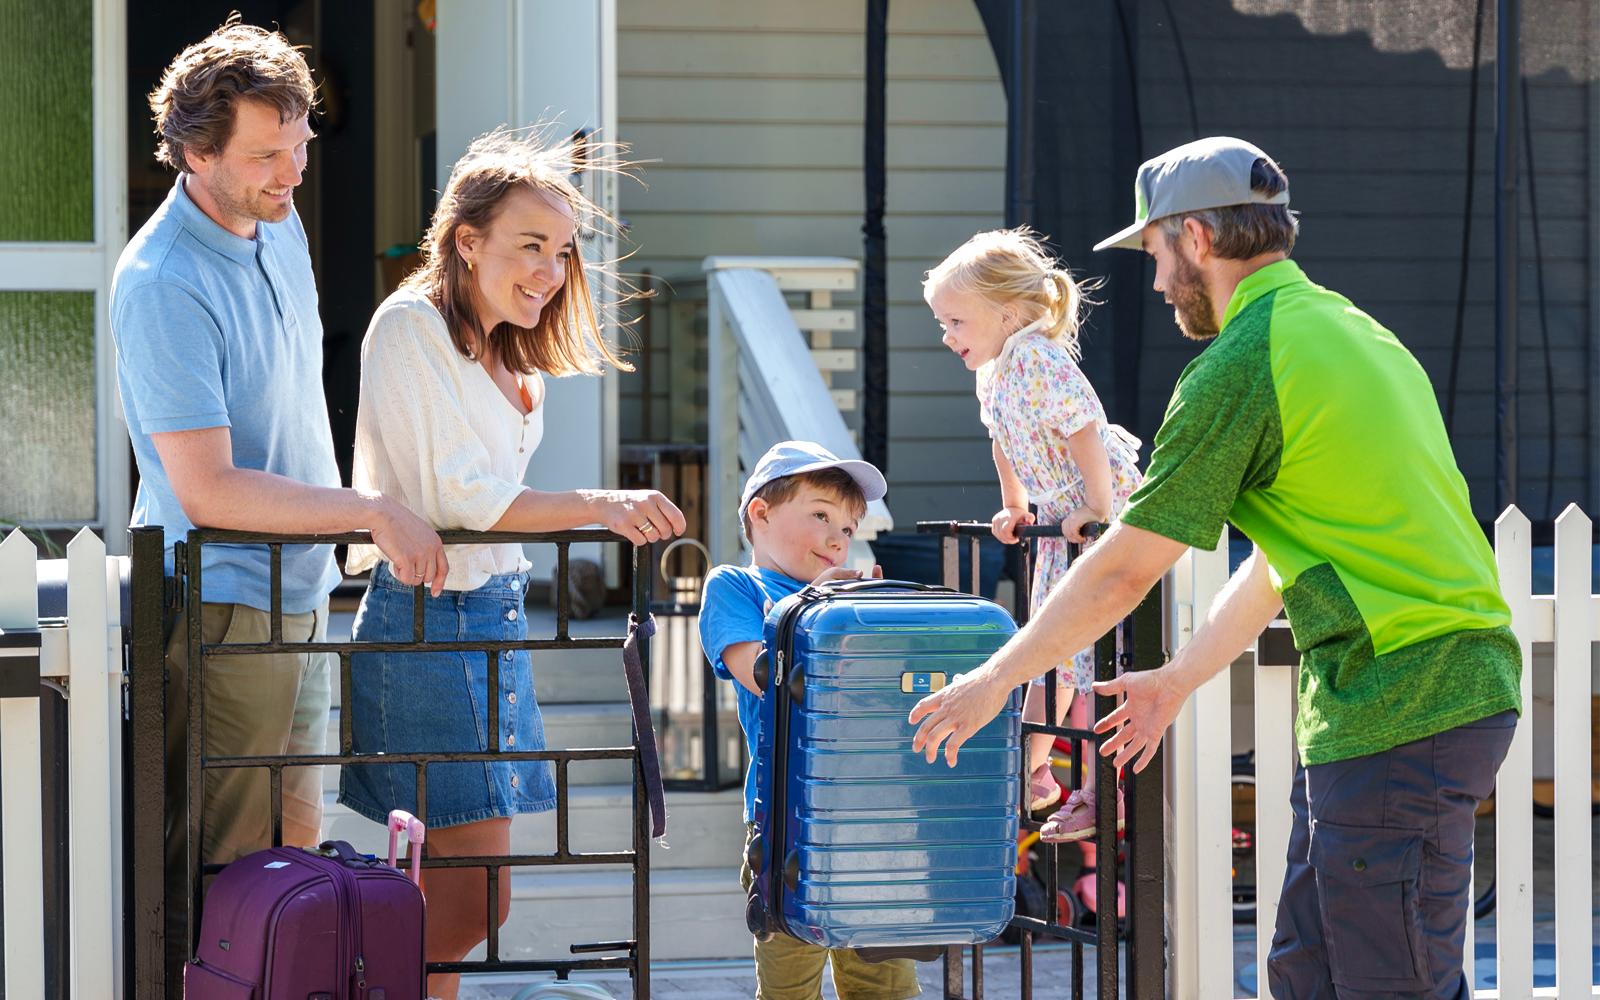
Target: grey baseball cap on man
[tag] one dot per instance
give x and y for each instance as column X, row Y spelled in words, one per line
column 1207, row 173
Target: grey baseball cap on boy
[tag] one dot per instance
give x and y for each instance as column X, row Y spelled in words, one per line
column 790, row 458
column 1207, row 173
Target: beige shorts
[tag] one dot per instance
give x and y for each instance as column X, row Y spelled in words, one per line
column 790, row 969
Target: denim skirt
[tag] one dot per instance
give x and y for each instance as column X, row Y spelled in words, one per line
column 431, row 702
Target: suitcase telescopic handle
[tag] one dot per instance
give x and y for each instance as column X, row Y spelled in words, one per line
column 402, row 822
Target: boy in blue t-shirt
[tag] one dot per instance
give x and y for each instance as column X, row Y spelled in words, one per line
column 799, row 510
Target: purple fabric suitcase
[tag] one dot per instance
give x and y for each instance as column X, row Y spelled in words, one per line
column 289, row 924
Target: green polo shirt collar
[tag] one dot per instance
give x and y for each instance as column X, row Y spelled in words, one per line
column 1259, row 283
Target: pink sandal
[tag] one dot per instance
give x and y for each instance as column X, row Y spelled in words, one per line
column 1075, row 819
column 1044, row 790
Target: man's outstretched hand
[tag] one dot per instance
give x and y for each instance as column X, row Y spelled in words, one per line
column 1151, row 699
column 952, row 715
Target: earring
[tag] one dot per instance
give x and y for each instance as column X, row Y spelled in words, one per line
column 469, row 266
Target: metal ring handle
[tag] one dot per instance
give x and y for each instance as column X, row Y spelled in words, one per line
column 671, row 546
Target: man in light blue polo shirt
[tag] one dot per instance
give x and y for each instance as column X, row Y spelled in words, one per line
column 219, row 362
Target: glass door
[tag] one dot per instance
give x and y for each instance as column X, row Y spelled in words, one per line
column 63, row 450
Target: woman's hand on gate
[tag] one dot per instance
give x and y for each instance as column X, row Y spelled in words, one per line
column 410, row 544
column 1151, row 699
column 640, row 516
column 951, row 716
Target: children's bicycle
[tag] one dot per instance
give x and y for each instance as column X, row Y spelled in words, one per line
column 1242, row 786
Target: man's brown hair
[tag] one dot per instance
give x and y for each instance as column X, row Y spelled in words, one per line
column 195, row 100
column 1240, row 232
column 836, row 483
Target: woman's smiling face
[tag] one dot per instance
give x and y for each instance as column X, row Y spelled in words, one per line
column 974, row 328
column 521, row 262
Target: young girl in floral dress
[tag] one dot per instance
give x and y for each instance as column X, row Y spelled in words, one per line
column 1012, row 314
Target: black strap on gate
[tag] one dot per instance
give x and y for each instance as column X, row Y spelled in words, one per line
column 639, row 702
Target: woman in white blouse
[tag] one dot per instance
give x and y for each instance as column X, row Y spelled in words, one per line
column 450, row 414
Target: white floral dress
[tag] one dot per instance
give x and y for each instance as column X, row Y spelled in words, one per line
column 1032, row 398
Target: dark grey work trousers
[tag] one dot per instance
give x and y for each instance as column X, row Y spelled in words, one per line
column 1376, row 897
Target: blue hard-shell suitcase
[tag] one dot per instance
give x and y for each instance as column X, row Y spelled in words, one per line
column 859, row 842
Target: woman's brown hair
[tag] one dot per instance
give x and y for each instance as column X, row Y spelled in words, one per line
column 568, row 339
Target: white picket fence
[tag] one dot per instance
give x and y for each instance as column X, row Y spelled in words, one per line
column 1200, row 802
column 85, row 658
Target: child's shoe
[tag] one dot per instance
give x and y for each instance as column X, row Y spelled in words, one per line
column 1044, row 790
column 1087, row 888
column 1075, row 819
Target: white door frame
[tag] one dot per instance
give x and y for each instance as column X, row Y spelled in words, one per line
column 88, row 267
column 519, row 62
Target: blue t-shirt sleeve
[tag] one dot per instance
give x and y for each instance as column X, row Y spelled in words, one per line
column 171, row 357
column 732, row 610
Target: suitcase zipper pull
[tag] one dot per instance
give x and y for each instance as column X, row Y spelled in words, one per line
column 361, row 975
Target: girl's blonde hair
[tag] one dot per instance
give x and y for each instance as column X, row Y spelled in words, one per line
column 1012, row 267
column 568, row 339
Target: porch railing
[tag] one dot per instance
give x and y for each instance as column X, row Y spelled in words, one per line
column 766, row 382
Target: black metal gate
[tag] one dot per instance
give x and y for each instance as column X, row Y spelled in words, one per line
column 1137, row 643
column 155, row 597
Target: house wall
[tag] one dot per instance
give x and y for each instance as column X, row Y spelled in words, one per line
column 754, row 111
column 1374, row 138
column 750, row 115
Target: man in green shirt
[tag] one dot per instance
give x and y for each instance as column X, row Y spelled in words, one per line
column 1315, row 432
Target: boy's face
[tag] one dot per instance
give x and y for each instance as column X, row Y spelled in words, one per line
column 803, row 536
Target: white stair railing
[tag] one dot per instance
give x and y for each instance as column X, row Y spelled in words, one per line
column 766, row 382
column 1199, row 769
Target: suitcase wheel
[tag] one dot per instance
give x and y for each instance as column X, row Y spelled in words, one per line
column 755, row 853
column 791, row 871
column 797, row 687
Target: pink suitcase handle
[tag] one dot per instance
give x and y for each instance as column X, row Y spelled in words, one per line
column 400, row 822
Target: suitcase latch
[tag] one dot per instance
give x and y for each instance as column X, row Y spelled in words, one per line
column 922, row 681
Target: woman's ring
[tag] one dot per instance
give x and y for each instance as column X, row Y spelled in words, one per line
column 647, row 526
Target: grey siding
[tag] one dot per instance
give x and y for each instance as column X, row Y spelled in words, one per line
column 1375, row 146
column 750, row 113
column 753, row 110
